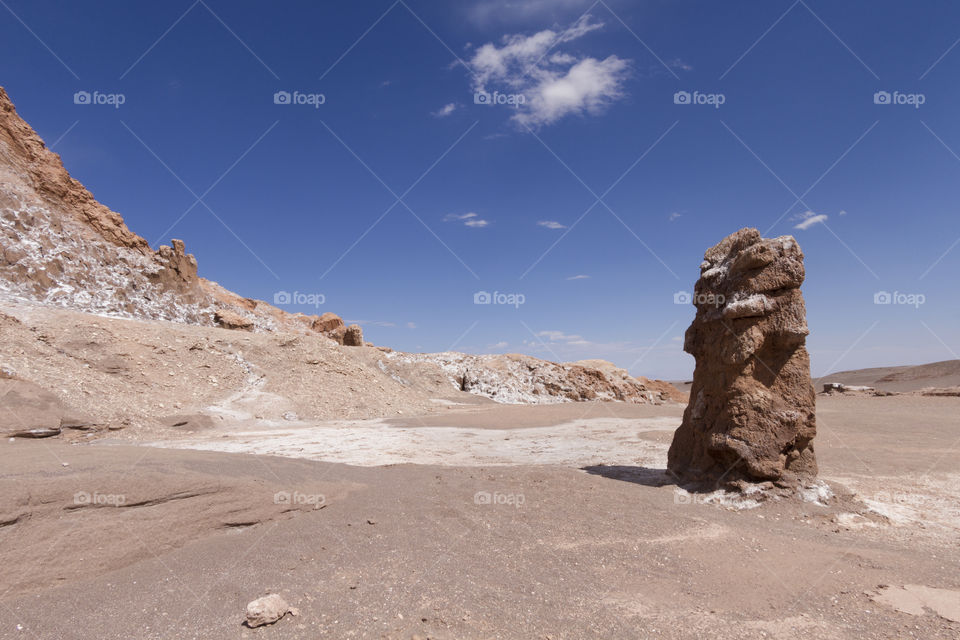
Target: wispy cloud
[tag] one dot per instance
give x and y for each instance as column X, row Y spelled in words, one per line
column 445, row 110
column 551, row 224
column 674, row 215
column 484, row 12
column 558, row 336
column 411, row 325
column 554, row 83
column 372, row 323
column 578, row 278
column 468, row 219
column 808, row 219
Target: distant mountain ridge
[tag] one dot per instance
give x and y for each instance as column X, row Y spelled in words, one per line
column 945, row 373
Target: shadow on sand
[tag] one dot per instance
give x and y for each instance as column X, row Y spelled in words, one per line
column 637, row 475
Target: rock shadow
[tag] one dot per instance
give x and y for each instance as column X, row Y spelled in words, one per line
column 646, row 476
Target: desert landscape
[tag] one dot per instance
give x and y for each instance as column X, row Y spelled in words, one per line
column 179, row 460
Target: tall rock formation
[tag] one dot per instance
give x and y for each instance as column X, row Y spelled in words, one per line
column 751, row 411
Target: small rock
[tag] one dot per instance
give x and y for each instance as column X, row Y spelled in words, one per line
column 267, row 610
column 232, row 320
column 290, row 416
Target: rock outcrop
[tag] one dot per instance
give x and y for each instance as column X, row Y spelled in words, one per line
column 232, row 320
column 327, row 322
column 59, row 246
column 353, row 336
column 520, row 379
column 751, row 411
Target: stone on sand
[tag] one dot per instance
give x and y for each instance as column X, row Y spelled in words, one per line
column 267, row 610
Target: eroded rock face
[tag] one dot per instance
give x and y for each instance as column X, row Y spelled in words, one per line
column 327, row 322
column 751, row 411
column 353, row 336
column 60, row 246
column 232, row 320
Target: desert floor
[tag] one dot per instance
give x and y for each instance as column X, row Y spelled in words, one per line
column 482, row 522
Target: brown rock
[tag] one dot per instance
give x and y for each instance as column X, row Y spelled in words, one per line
column 29, row 411
column 327, row 322
column 232, row 320
column 337, row 334
column 751, row 411
column 353, row 336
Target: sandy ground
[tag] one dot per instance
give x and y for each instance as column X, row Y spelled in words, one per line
column 569, row 529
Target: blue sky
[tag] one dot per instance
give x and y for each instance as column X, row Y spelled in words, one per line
column 400, row 196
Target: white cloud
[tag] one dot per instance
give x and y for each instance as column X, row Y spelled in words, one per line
column 469, row 219
column 558, row 336
column 458, row 216
column 808, row 219
column 411, row 325
column 578, row 278
column 588, row 86
column 445, row 110
column 674, row 215
column 499, row 345
column 551, row 224
column 554, row 83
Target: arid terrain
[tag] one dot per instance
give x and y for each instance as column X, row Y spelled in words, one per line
column 172, row 451
column 480, row 522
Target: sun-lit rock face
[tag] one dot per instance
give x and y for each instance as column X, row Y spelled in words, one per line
column 751, row 411
column 61, row 247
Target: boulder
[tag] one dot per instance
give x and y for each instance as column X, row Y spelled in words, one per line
column 353, row 336
column 327, row 322
column 267, row 610
column 232, row 320
column 751, row 411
